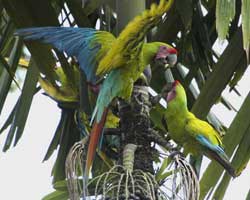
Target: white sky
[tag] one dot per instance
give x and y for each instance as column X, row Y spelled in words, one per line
column 24, row 176
column 22, row 173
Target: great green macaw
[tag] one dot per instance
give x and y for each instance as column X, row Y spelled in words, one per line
column 121, row 60
column 196, row 136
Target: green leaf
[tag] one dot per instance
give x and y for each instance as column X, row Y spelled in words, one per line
column 242, row 67
column 99, row 166
column 233, row 137
column 225, row 11
column 8, row 69
column 160, row 174
column 69, row 135
column 158, row 81
column 156, row 115
column 79, row 14
column 9, row 119
column 57, row 195
column 56, row 139
column 28, row 91
column 168, row 30
column 27, row 16
column 7, row 36
column 85, row 105
column 61, row 185
column 240, row 160
column 23, row 106
column 90, row 6
column 185, row 10
column 219, row 77
column 7, row 75
column 245, row 12
column 248, row 195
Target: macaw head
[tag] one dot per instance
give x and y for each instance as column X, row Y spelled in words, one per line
column 159, row 53
column 166, row 55
column 176, row 94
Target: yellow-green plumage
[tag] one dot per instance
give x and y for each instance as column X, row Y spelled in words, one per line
column 128, row 56
column 124, row 62
column 117, row 62
column 120, row 81
column 129, row 43
column 196, row 136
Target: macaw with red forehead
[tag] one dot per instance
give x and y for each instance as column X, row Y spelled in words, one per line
column 196, row 136
column 119, row 61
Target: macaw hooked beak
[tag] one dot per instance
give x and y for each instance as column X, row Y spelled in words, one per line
column 171, row 60
column 166, row 61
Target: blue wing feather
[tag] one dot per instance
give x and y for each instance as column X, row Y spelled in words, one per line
column 205, row 142
column 78, row 42
column 217, row 153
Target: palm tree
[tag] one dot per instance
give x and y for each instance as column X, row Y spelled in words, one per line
column 194, row 27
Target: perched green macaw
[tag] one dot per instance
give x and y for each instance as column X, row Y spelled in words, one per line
column 196, row 136
column 119, row 62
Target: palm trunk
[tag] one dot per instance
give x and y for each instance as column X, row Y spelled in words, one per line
column 135, row 128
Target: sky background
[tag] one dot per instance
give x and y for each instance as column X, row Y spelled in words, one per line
column 24, row 176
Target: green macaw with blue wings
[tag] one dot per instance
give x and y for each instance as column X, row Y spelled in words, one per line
column 118, row 61
column 196, row 136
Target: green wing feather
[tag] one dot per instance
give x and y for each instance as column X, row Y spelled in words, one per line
column 196, row 127
column 127, row 46
column 117, row 84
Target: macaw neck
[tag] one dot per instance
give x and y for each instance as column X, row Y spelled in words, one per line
column 149, row 51
column 177, row 108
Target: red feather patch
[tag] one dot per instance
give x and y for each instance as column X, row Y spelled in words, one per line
column 176, row 82
column 172, row 51
column 95, row 136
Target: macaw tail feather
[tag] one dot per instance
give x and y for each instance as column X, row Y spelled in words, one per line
column 217, row 153
column 95, row 136
column 224, row 162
